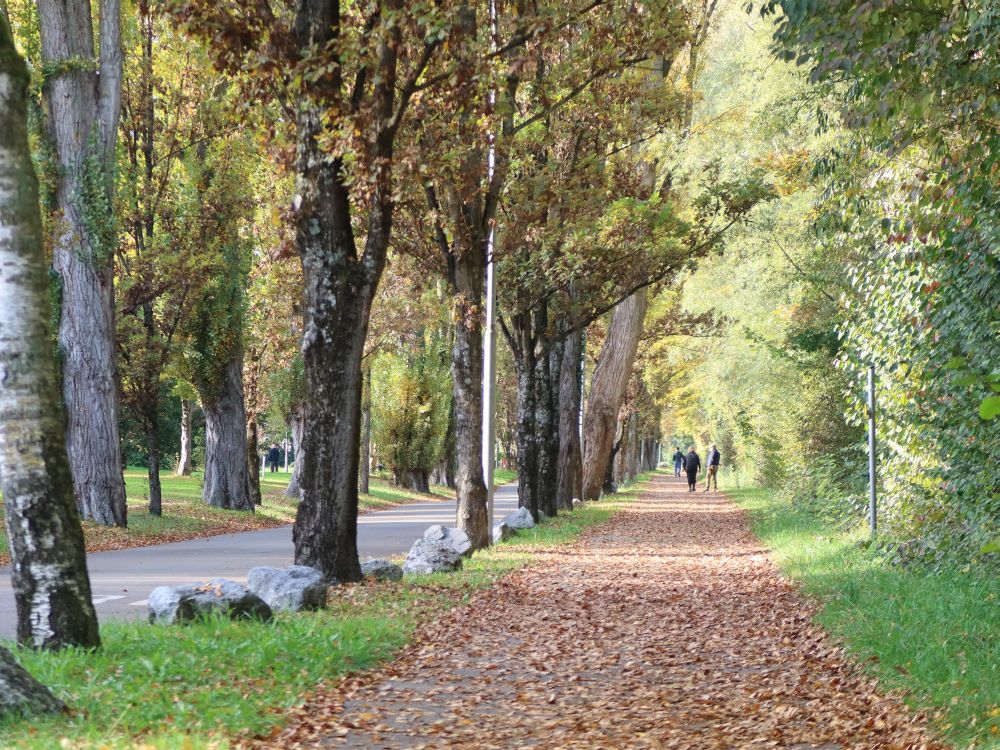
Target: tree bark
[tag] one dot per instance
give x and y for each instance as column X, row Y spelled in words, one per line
column 412, row 479
column 297, row 425
column 339, row 282
column 527, row 457
column 569, row 471
column 544, row 421
column 187, row 440
column 151, row 420
column 366, row 430
column 83, row 109
column 48, row 564
column 468, row 277
column 20, row 693
column 227, row 479
column 611, row 376
column 253, row 462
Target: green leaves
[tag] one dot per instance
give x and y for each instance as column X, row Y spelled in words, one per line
column 990, row 407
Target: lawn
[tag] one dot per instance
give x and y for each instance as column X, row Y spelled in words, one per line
column 203, row 685
column 933, row 636
column 185, row 516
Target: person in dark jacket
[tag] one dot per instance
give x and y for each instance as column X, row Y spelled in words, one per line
column 692, row 463
column 714, row 458
column 678, row 461
column 274, row 457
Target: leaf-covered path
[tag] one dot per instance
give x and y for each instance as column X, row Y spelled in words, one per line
column 667, row 627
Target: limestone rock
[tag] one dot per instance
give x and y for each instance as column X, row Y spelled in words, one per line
column 290, row 589
column 457, row 539
column 431, row 556
column 178, row 604
column 382, row 570
column 520, row 519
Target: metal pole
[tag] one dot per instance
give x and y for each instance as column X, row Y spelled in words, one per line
column 872, row 503
column 489, row 333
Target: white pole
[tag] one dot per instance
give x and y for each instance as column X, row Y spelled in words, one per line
column 489, row 381
column 284, row 444
column 489, row 333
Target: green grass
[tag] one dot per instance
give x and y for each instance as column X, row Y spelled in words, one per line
column 504, row 476
column 199, row 686
column 935, row 637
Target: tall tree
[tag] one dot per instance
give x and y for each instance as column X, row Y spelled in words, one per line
column 83, row 106
column 49, row 568
column 348, row 75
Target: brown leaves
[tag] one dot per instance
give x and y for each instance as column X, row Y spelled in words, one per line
column 669, row 628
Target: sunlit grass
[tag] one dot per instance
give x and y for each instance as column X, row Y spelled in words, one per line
column 935, row 636
column 200, row 685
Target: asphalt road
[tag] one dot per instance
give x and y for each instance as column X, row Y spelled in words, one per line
column 122, row 580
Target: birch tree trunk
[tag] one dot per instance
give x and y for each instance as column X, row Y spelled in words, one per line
column 83, row 105
column 20, row 693
column 611, row 376
column 227, row 479
column 187, row 441
column 48, row 565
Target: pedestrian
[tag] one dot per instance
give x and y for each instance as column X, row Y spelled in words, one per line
column 713, row 459
column 274, row 457
column 678, row 461
column 692, row 463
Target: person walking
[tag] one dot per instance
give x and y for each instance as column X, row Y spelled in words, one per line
column 713, row 459
column 274, row 457
column 678, row 461
column 692, row 463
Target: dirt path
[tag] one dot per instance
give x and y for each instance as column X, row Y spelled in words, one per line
column 666, row 628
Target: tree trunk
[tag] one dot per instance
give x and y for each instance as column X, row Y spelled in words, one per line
column 338, row 294
column 523, row 350
column 611, row 376
column 151, row 420
column 609, row 487
column 412, row 479
column 227, row 478
column 253, row 462
column 49, row 567
column 184, row 463
column 20, row 693
column 570, row 469
column 366, row 430
column 468, row 277
column 83, row 104
column 544, row 424
column 297, row 425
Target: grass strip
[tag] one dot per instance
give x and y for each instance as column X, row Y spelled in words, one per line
column 198, row 686
column 935, row 637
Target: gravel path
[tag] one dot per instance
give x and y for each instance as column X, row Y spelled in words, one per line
column 667, row 627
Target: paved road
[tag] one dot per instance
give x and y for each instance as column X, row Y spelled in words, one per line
column 121, row 580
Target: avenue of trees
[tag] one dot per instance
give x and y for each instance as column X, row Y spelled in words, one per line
column 224, row 222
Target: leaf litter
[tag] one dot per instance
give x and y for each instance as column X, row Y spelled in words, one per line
column 666, row 627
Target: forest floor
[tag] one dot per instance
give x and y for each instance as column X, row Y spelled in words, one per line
column 186, row 516
column 667, row 627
